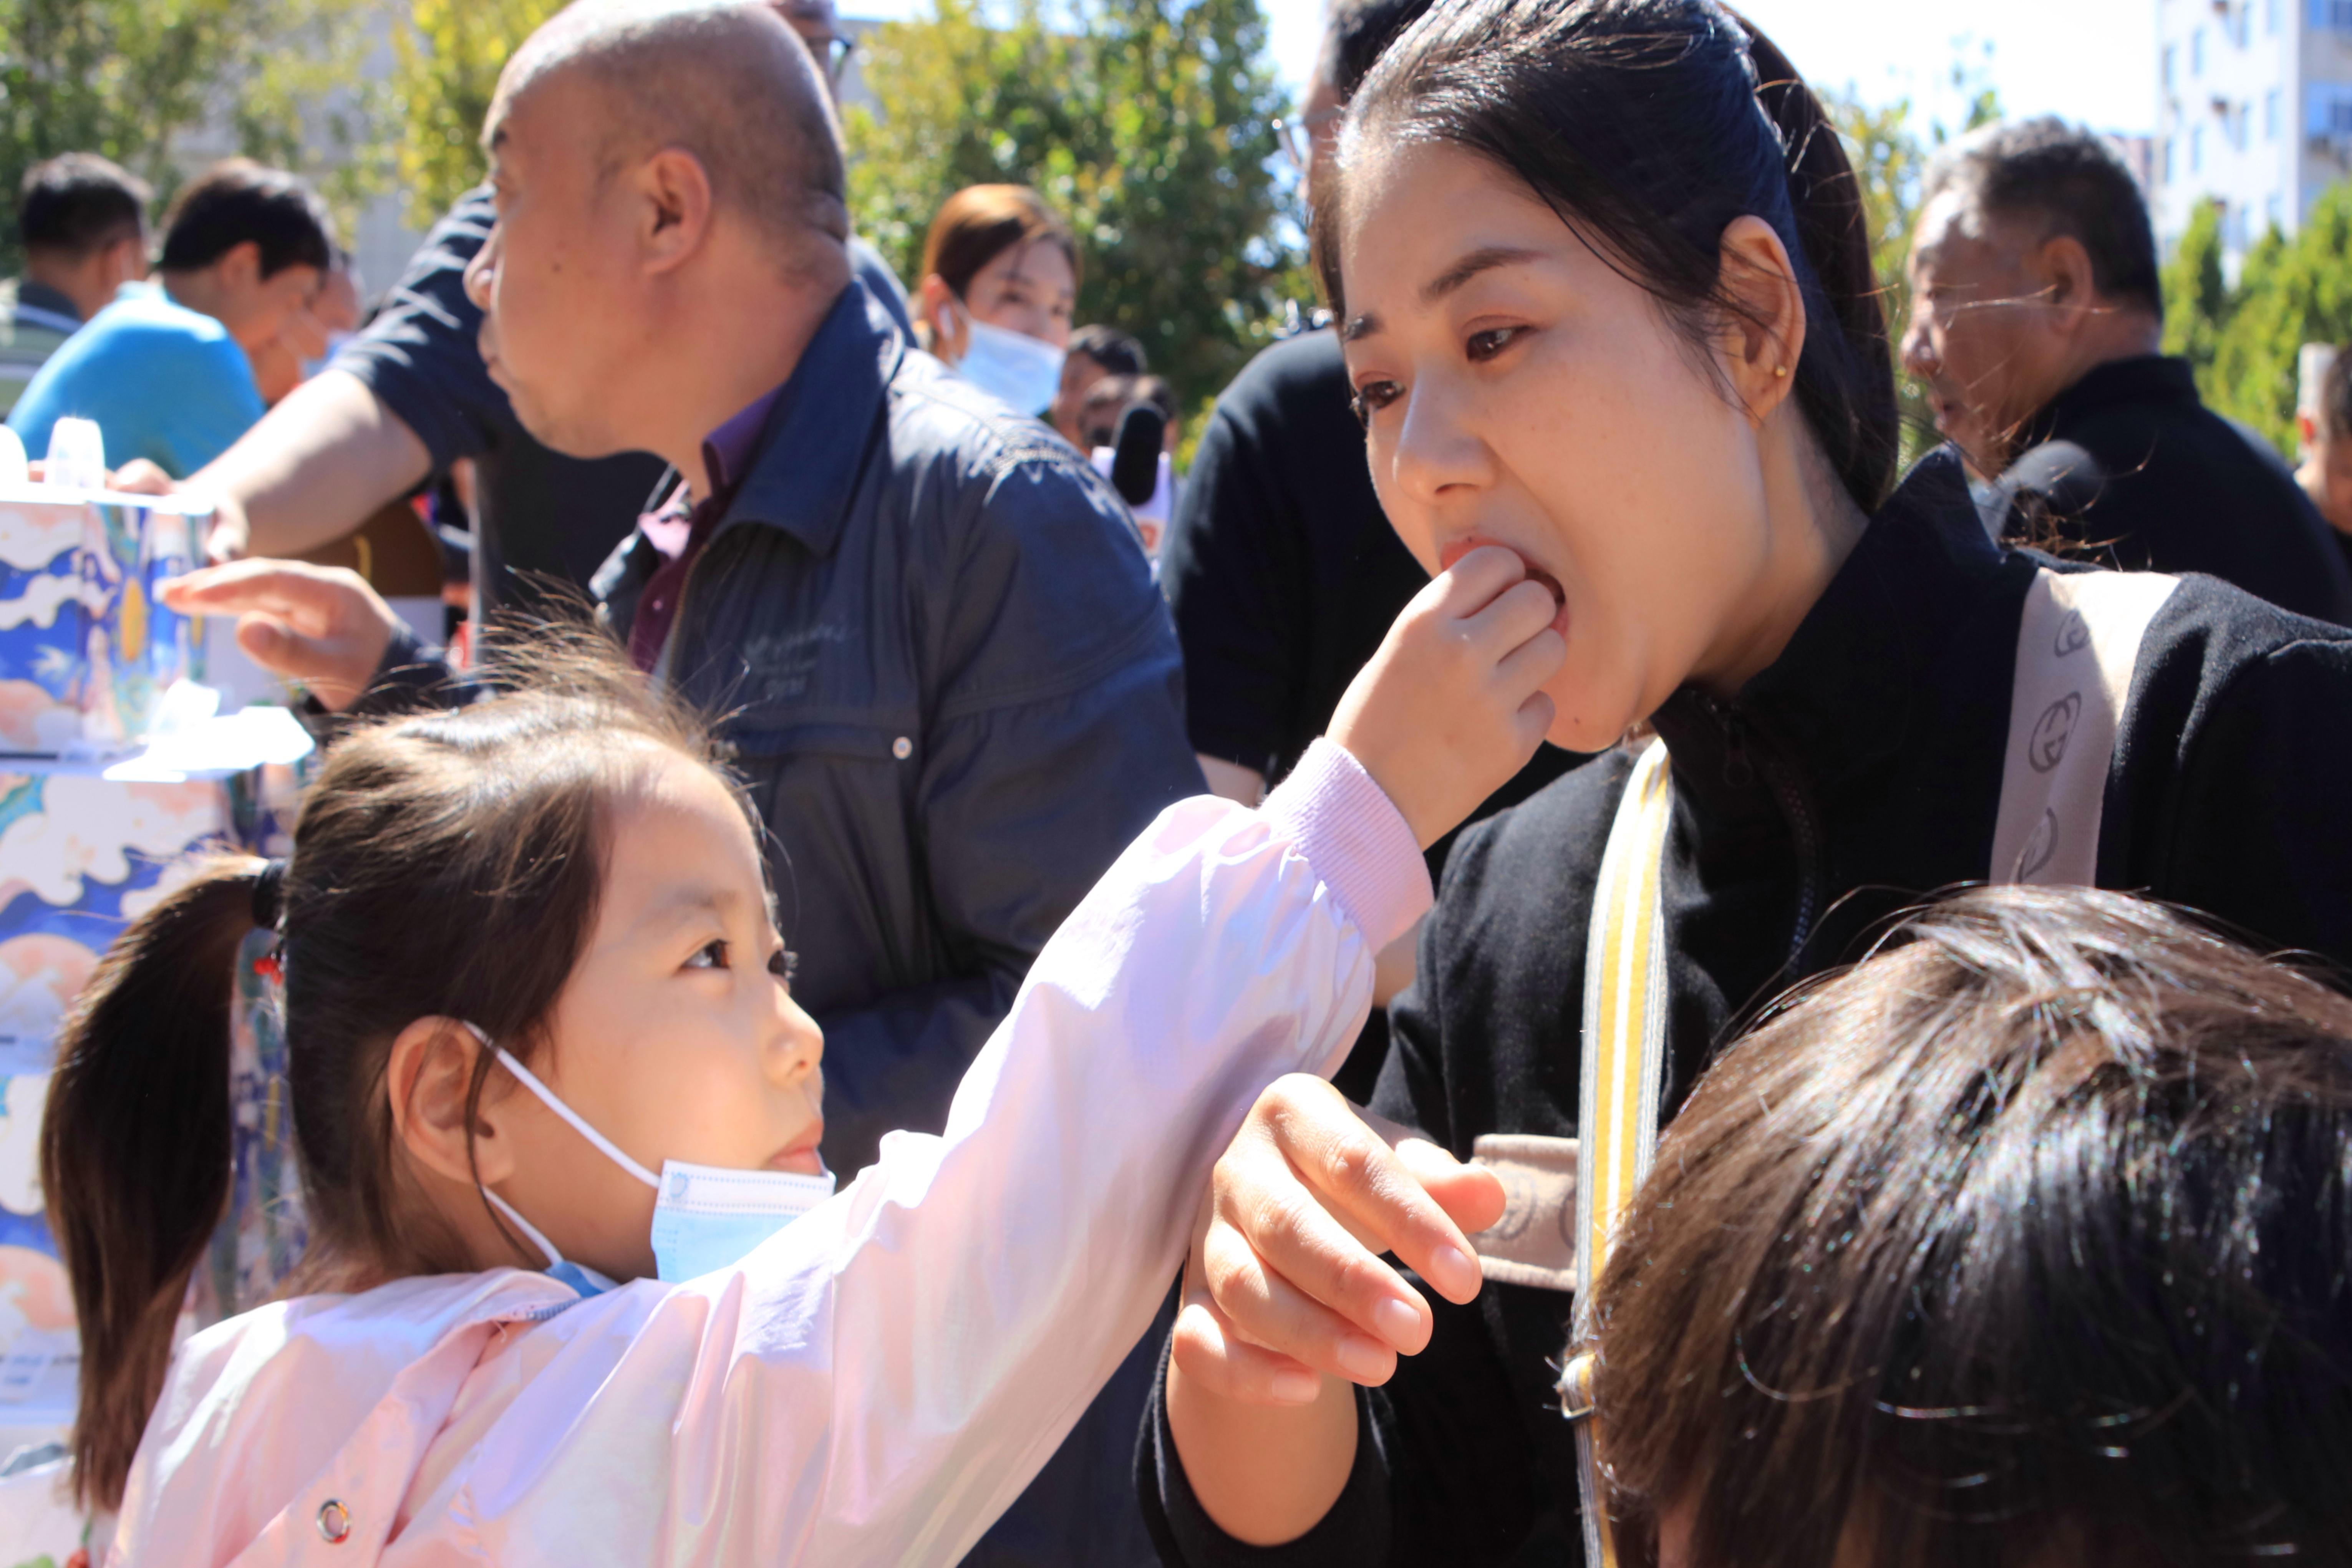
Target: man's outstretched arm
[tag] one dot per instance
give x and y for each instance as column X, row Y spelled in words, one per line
column 314, row 469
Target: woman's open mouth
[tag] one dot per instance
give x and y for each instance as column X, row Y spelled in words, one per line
column 1451, row 554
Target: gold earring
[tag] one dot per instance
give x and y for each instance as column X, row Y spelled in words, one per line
column 1779, row 370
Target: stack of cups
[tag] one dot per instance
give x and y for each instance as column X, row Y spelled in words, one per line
column 77, row 455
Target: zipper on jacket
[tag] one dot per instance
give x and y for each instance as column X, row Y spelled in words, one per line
column 1780, row 777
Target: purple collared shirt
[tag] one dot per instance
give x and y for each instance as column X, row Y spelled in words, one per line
column 680, row 533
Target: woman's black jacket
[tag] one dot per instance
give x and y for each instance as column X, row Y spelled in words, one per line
column 1859, row 771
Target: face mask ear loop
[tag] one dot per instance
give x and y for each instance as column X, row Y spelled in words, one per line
column 530, row 1080
column 529, row 1229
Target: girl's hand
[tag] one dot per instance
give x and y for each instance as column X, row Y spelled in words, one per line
column 1286, row 1281
column 1452, row 705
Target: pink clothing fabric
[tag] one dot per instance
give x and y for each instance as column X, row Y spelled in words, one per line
column 879, row 1380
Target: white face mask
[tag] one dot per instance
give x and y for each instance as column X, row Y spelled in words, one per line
column 1019, row 371
column 706, row 1217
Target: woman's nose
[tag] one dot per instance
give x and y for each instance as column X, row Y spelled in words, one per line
column 1435, row 455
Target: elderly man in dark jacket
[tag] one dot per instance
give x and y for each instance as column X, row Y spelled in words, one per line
column 2036, row 319
column 931, row 628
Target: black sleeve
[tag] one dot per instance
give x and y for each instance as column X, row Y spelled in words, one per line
column 2247, row 713
column 420, row 354
column 1234, row 570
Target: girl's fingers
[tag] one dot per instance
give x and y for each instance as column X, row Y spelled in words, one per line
column 1207, row 1349
column 1520, row 612
column 1473, row 582
column 1527, row 667
column 1268, row 1310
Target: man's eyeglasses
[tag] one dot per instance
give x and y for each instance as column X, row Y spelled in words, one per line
column 833, row 54
column 1298, row 132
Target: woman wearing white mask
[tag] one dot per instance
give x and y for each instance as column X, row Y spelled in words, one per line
column 1000, row 283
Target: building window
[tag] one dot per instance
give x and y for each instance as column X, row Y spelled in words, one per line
column 2197, row 47
column 2333, row 14
column 2271, row 115
column 2328, row 111
column 2269, row 17
column 2197, row 149
column 2168, row 66
column 2276, row 209
column 2167, row 160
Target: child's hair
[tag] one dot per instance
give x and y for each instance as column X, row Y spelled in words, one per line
column 446, row 863
column 2025, row 1241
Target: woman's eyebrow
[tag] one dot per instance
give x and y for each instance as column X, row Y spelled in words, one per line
column 1484, row 259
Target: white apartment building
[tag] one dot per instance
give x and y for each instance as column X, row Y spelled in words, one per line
column 2253, row 109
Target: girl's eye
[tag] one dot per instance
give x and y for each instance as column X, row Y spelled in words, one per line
column 711, row 954
column 1373, row 397
column 1486, row 345
column 783, row 963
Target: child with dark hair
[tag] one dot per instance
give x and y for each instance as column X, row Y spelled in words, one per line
column 167, row 370
column 557, row 1113
column 2025, row 1241
column 82, row 222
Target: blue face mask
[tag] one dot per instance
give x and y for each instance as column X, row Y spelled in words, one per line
column 706, row 1217
column 1018, row 371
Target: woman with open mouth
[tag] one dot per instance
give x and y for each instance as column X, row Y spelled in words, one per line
column 1605, row 290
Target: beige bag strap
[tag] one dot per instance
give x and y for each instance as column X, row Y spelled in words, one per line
column 2077, row 645
column 1623, row 1070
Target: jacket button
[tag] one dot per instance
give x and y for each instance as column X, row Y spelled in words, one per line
column 335, row 1523
column 902, row 748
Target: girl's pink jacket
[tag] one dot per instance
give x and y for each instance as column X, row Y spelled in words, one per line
column 877, row 1382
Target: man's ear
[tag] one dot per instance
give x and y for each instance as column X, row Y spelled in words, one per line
column 675, row 207
column 427, row 1080
column 1765, row 338
column 2064, row 279
column 239, row 267
column 2306, row 428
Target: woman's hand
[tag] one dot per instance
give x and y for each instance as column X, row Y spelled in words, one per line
column 1286, row 1280
column 1452, row 704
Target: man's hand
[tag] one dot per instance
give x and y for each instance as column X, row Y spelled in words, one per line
column 1286, row 1280
column 229, row 536
column 322, row 626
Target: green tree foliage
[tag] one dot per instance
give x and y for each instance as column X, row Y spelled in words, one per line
column 133, row 79
column 1149, row 124
column 446, row 65
column 2197, row 300
column 2243, row 341
column 1891, row 153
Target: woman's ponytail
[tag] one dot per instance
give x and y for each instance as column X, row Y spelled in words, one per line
column 1857, row 423
column 135, row 1151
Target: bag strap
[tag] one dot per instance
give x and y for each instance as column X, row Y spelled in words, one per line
column 1624, row 1054
column 2077, row 645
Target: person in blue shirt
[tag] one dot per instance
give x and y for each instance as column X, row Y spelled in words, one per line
column 165, row 370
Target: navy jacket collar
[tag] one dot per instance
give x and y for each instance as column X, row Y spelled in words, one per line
column 805, row 464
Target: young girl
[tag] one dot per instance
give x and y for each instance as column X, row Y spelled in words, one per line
column 541, row 1039
column 1606, row 292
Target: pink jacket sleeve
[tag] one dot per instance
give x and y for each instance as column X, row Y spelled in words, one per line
column 880, row 1379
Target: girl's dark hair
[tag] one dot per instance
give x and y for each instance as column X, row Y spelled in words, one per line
column 1648, row 126
column 445, row 864
column 2028, row 1240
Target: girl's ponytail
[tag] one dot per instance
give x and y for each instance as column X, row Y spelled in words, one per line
column 135, row 1151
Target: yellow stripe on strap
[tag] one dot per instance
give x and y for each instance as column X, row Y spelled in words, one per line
column 1623, row 1068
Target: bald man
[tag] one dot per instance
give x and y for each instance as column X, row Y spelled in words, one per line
column 948, row 679
column 410, row 396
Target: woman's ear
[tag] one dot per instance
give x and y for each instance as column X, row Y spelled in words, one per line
column 947, row 335
column 427, row 1081
column 1766, row 335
